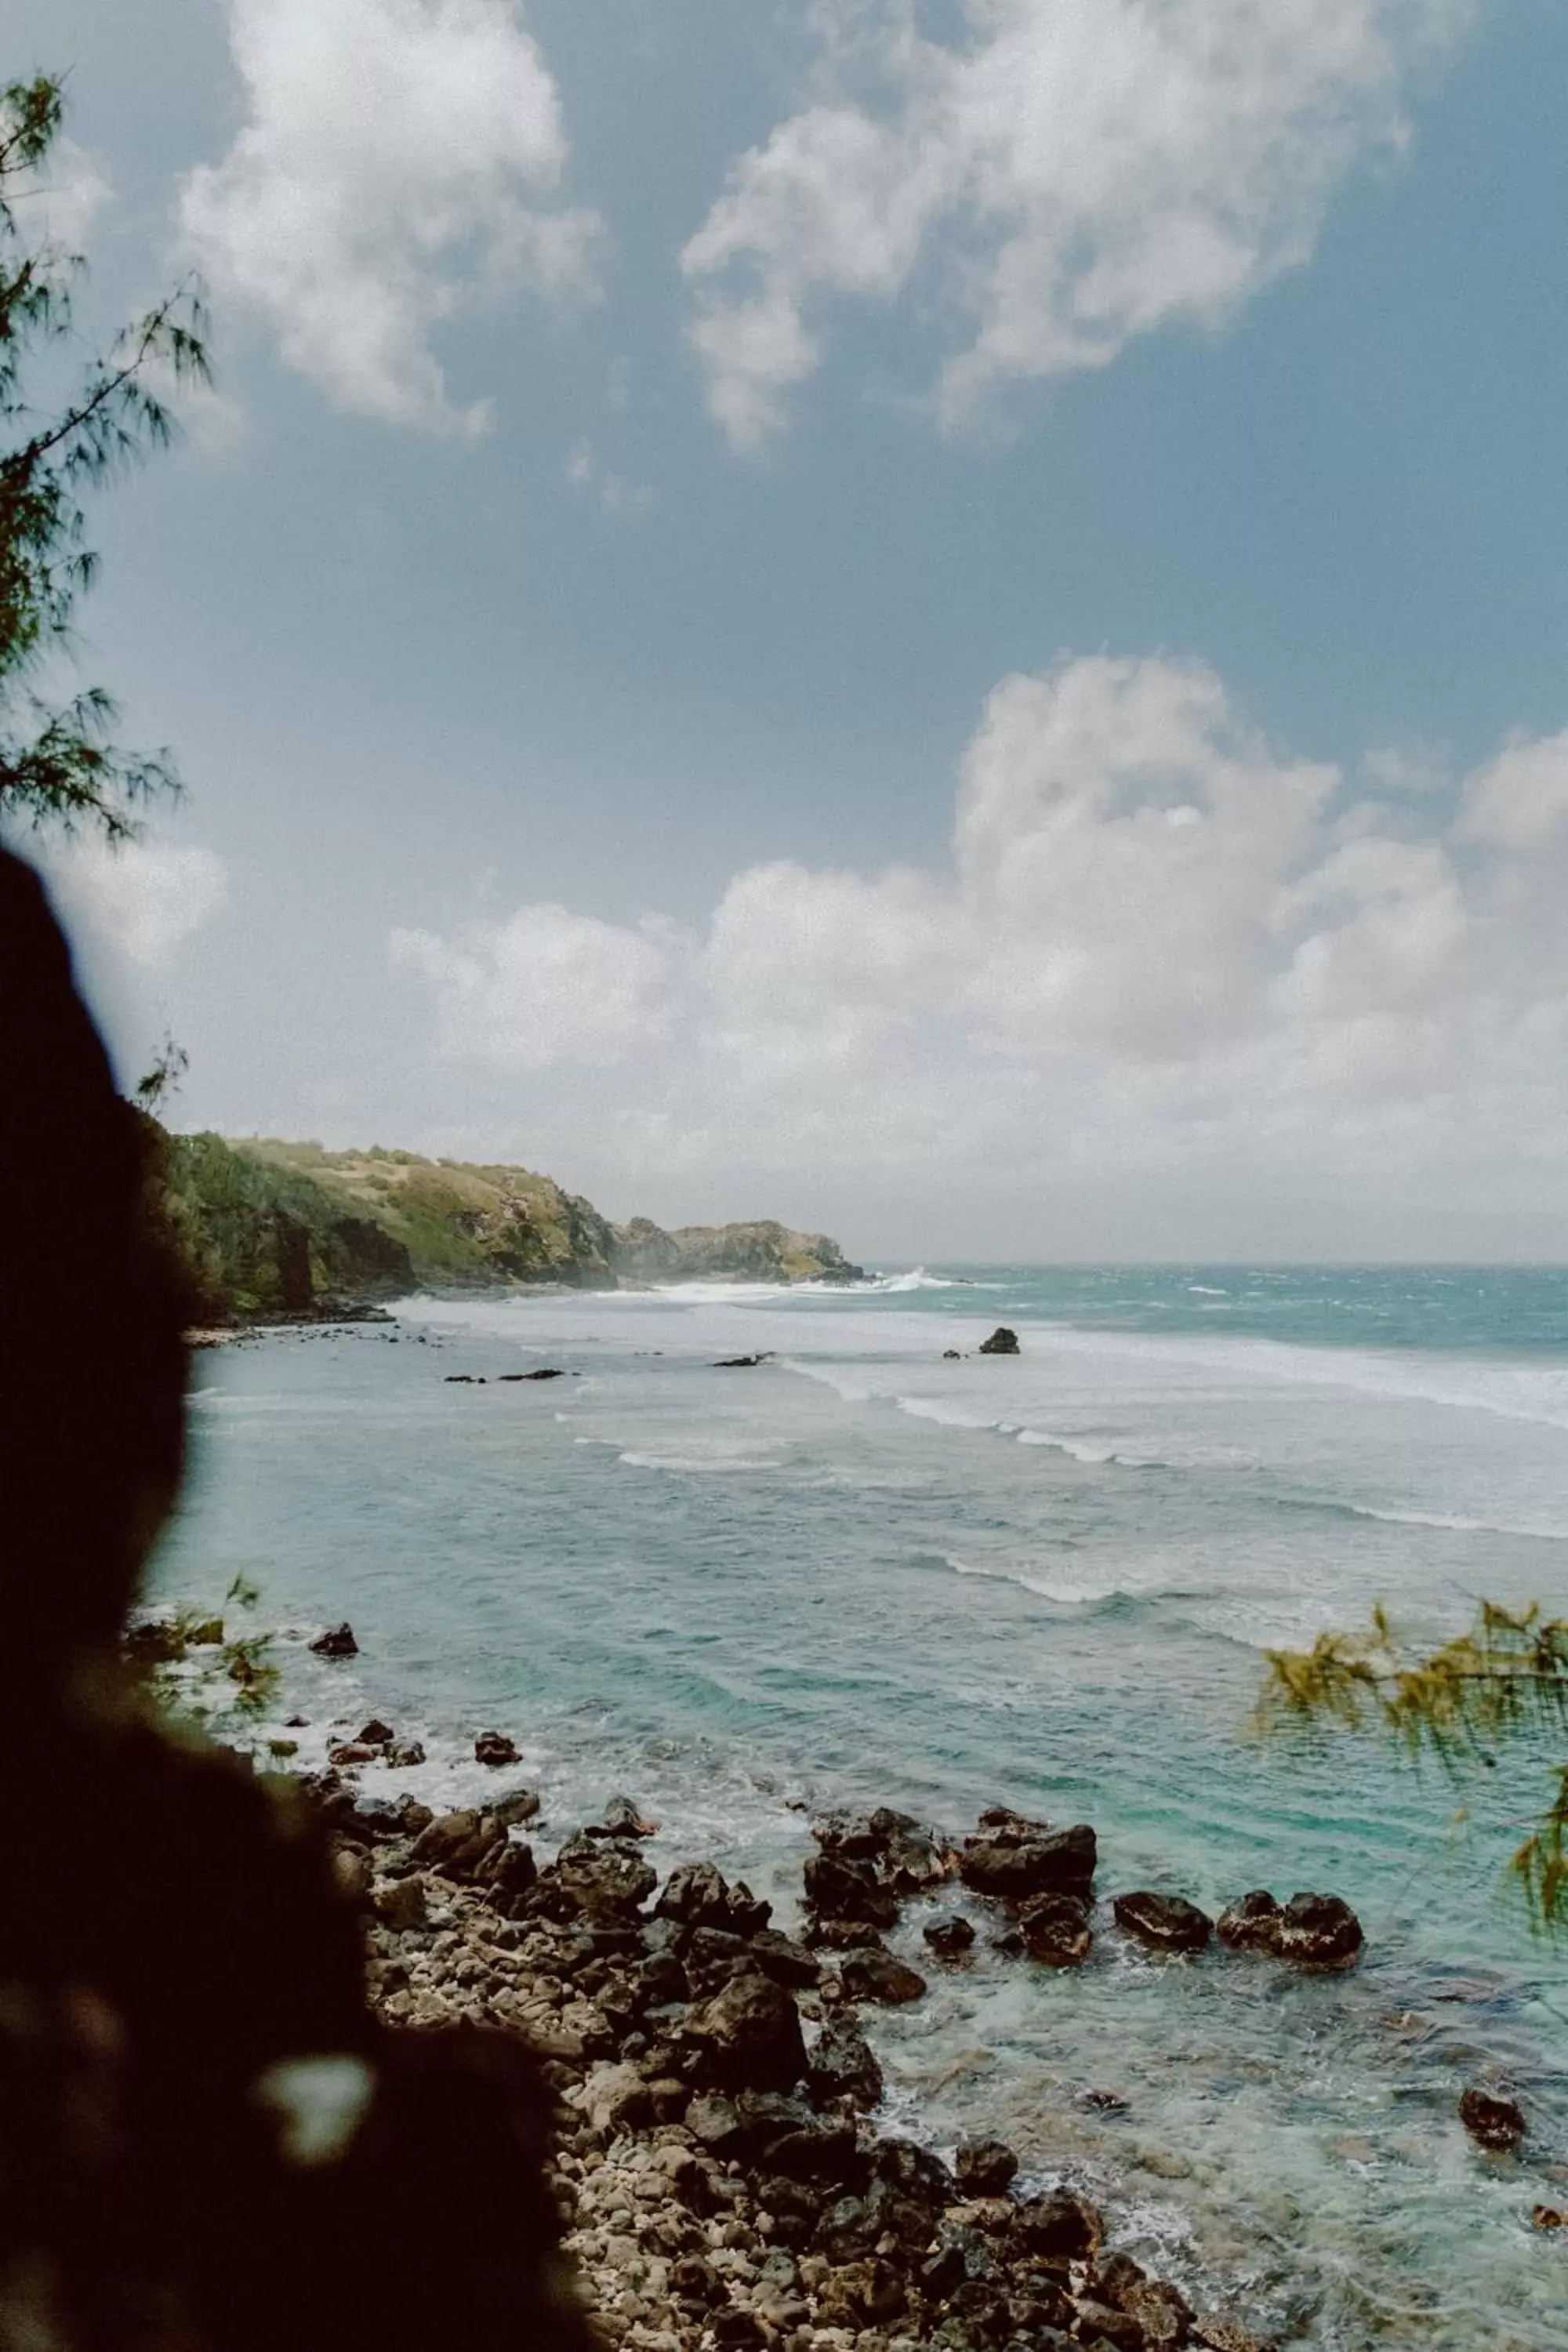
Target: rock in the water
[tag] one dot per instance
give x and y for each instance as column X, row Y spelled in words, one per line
column 495, row 1748
column 950, row 1356
column 840, row 1888
column 1497, row 2123
column 1002, row 1342
column 407, row 1753
column 870, row 1974
column 1056, row 1930
column 950, row 1938
column 337, row 1642
column 599, row 1879
column 1167, row 1923
column 843, row 2066
column 748, row 2035
column 1314, row 1930
column 454, row 1843
column 375, row 1734
column 351, row 1753
column 1549, row 2217
column 986, row 2167
column 1013, row 1858
column 622, row 1819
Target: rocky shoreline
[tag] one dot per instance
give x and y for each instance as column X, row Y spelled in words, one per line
column 726, row 2177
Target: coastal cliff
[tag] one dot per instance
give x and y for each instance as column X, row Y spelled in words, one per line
column 274, row 1228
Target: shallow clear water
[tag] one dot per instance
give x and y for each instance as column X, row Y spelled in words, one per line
column 862, row 1572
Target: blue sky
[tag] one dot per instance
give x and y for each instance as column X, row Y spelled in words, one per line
column 1128, row 433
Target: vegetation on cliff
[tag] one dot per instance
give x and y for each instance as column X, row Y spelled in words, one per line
column 272, row 1228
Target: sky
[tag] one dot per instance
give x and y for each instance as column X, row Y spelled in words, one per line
column 943, row 619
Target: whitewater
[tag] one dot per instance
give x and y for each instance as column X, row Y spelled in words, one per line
column 860, row 1571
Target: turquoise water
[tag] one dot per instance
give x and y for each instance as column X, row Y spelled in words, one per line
column 862, row 1572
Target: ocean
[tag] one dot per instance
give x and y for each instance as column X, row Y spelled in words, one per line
column 858, row 1572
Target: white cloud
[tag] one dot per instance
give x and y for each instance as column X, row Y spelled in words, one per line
column 586, row 471
column 1068, row 175
column 143, row 898
column 398, row 163
column 64, row 203
column 546, row 988
column 1163, row 954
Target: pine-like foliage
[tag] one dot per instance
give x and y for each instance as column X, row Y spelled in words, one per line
column 58, row 762
column 1508, row 1674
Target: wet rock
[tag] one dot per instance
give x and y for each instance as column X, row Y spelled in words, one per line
column 494, row 1748
column 913, row 1859
column 787, row 1962
column 950, row 1938
column 1098, row 2324
column 869, row 1974
column 1166, row 1922
column 741, row 1363
column 454, row 1843
column 337, row 1642
column 545, row 1373
column 1056, row 1930
column 843, row 2065
column 375, row 1734
column 508, row 1812
column 1058, row 2224
column 1496, row 2123
column 697, row 1897
column 1223, row 2333
column 509, row 1868
column 839, row 1888
column 1161, row 2310
column 351, row 1753
column 749, row 2033
column 1314, row 1930
column 914, row 2173
column 1012, row 1858
column 950, row 1356
column 1549, row 2217
column 404, row 1754
column 400, row 1904
column 1002, row 1342
column 622, row 1819
column 597, row 1880
column 984, row 2168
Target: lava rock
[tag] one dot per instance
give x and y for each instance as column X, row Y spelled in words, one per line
column 494, row 1748
column 843, row 2065
column 454, row 1843
column 1497, row 2123
column 836, row 1888
column 622, row 1819
column 377, row 1734
column 1002, row 1342
column 697, row 1896
column 404, row 1754
column 598, row 1880
column 871, row 1974
column 1056, row 1930
column 1314, row 1930
column 337, row 1642
column 950, row 1938
column 1166, row 1922
column 984, row 2168
column 1058, row 2224
column 749, row 2033
column 1013, row 1858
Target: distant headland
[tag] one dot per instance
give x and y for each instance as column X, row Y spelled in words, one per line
column 272, row 1229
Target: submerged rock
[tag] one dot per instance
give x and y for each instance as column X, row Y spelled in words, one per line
column 950, row 1938
column 1497, row 2123
column 1166, row 1922
column 1314, row 1930
column 337, row 1642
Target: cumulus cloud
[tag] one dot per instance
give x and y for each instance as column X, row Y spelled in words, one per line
column 1064, row 177
column 1161, row 947
column 143, row 898
column 399, row 161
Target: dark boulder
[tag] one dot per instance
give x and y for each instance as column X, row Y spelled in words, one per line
column 984, row 2168
column 950, row 1938
column 622, row 1819
column 377, row 1734
column 1059, row 2224
column 509, row 1868
column 871, row 1974
column 337, row 1642
column 1011, row 1857
column 1313, row 1930
column 1166, row 1922
column 1056, row 1930
column 404, row 1754
column 495, row 1748
column 1002, row 1342
column 837, row 1888
column 781, row 1957
column 843, row 2065
column 1497, row 2123
column 351, row 1752
column 749, row 2034
column 599, row 1881
column 456, row 1844
column 1160, row 2309
column 697, row 1896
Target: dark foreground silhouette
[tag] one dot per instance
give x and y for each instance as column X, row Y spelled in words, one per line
column 205, row 2139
